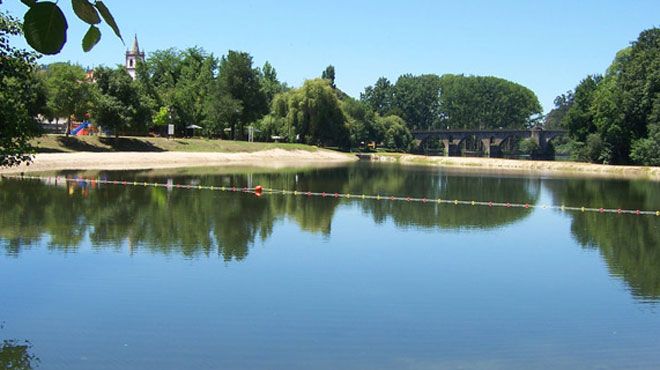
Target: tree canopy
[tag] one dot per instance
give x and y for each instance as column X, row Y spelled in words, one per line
column 614, row 118
column 45, row 25
column 22, row 96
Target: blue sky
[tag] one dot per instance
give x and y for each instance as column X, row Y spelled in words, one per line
column 548, row 46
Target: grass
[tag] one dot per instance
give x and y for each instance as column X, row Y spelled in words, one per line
column 63, row 144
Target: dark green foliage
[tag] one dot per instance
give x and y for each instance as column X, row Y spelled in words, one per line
column 646, row 151
column 620, row 108
column 69, row 94
column 454, row 102
column 312, row 115
column 416, row 100
column 579, row 118
column 45, row 25
column 361, row 121
column 241, row 82
column 92, row 37
column 394, row 133
column 380, row 97
column 528, row 147
column 21, row 97
column 118, row 106
column 329, row 74
column 16, row 355
column 554, row 120
column 477, row 102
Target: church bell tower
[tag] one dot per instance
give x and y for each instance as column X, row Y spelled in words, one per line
column 132, row 58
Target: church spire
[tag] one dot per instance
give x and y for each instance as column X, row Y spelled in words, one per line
column 132, row 58
column 136, row 47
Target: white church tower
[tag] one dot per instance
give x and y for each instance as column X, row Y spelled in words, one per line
column 132, row 58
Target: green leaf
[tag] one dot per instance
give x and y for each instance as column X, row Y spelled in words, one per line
column 86, row 11
column 45, row 27
column 92, row 37
column 108, row 18
column 29, row 2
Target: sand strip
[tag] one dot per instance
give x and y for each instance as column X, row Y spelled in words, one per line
column 152, row 160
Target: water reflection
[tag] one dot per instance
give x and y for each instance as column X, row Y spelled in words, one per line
column 17, row 355
column 630, row 245
column 202, row 222
column 194, row 222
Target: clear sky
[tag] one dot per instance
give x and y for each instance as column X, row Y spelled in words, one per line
column 548, row 46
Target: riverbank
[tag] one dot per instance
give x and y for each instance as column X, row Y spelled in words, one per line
column 57, row 152
column 543, row 168
column 273, row 158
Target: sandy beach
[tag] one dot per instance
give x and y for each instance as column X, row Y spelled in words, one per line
column 512, row 166
column 279, row 158
column 273, row 158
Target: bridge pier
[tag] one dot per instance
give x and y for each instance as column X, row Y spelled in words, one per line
column 451, row 149
column 492, row 148
column 490, row 140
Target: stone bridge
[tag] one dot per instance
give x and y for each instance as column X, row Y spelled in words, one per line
column 490, row 140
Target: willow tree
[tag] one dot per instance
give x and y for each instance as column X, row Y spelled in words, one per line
column 312, row 114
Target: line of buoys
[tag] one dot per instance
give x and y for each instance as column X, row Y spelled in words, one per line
column 260, row 190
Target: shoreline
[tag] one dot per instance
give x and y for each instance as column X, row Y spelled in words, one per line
column 524, row 167
column 280, row 158
column 272, row 158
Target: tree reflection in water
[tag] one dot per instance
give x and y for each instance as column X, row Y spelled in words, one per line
column 202, row 222
column 194, row 222
column 629, row 245
column 16, row 355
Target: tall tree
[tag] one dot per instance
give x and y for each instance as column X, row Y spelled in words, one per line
column 640, row 82
column 240, row 80
column 379, row 97
column 329, row 74
column 270, row 85
column 417, row 100
column 20, row 97
column 69, row 91
column 118, row 104
column 554, row 119
column 313, row 113
column 579, row 118
column 484, row 102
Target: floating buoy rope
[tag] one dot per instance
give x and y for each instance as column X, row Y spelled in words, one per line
column 260, row 190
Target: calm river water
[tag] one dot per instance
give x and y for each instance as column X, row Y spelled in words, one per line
column 112, row 277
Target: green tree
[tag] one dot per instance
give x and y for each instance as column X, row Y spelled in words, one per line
column 416, row 99
column 379, row 97
column 639, row 82
column 484, row 102
column 69, row 93
column 554, row 120
column 270, row 85
column 21, row 97
column 619, row 109
column 329, row 74
column 185, row 82
column 313, row 113
column 240, row 81
column 579, row 119
column 361, row 122
column 118, row 105
column 646, row 151
column 394, row 133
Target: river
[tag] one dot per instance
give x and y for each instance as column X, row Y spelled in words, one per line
column 130, row 277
